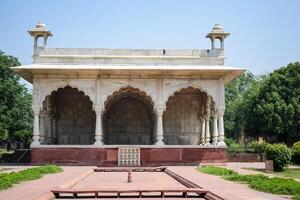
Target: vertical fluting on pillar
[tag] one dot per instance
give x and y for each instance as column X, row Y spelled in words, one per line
column 36, row 112
column 202, row 137
column 159, row 128
column 98, row 111
column 221, row 128
column 207, row 118
column 36, row 132
column 215, row 129
column 159, row 116
column 42, row 127
column 98, row 128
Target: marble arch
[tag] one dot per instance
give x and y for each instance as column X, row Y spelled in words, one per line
column 129, row 117
column 46, row 87
column 67, row 117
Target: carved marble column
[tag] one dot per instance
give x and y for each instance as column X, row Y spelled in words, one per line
column 42, row 127
column 207, row 117
column 202, row 137
column 36, row 112
column 207, row 129
column 215, row 129
column 159, row 124
column 98, row 111
column 98, row 129
column 221, row 128
column 36, row 131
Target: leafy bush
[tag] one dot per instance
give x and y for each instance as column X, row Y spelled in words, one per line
column 296, row 152
column 280, row 154
column 259, row 182
column 8, row 179
column 219, row 171
column 229, row 141
column 259, row 148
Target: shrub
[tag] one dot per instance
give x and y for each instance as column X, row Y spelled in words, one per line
column 296, row 152
column 229, row 141
column 280, row 154
column 259, row 148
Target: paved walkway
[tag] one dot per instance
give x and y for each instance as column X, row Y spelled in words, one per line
column 227, row 189
column 31, row 190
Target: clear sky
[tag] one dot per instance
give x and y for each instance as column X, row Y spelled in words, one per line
column 264, row 33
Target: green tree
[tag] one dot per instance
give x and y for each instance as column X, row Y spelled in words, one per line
column 15, row 104
column 234, row 119
column 275, row 108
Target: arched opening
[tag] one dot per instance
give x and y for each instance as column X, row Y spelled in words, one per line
column 129, row 118
column 182, row 118
column 68, row 118
column 218, row 43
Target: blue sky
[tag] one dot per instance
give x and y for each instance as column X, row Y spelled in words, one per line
column 264, row 33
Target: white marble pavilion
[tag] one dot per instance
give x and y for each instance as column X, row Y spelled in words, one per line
column 101, row 98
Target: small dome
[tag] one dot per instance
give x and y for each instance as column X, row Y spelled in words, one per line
column 40, row 25
column 218, row 27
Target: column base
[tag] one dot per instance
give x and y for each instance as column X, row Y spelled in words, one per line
column 98, row 143
column 160, row 143
column 35, row 144
column 222, row 144
column 207, row 144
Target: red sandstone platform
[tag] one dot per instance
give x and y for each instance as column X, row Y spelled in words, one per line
column 108, row 156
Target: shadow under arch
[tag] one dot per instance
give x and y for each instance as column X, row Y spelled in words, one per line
column 68, row 117
column 129, row 117
column 182, row 116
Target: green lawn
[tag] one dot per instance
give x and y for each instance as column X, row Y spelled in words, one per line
column 293, row 173
column 290, row 172
column 9, row 179
column 275, row 185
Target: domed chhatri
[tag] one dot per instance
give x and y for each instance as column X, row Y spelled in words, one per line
column 217, row 33
column 40, row 30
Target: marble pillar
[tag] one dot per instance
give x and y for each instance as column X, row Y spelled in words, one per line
column 215, row 130
column 221, row 128
column 98, row 129
column 159, row 126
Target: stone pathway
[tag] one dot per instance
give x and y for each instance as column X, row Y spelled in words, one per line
column 31, row 190
column 227, row 189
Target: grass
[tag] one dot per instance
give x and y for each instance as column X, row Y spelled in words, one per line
column 275, row 185
column 7, row 180
column 292, row 172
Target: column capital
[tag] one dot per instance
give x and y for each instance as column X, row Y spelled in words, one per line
column 36, row 109
column 98, row 109
column 221, row 111
column 160, row 109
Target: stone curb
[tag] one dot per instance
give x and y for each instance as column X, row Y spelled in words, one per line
column 50, row 196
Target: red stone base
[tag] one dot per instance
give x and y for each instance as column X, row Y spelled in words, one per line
column 109, row 156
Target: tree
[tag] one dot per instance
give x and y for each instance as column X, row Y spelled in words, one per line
column 234, row 119
column 15, row 104
column 274, row 110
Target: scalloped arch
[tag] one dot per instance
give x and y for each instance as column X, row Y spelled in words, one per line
column 53, row 88
column 169, row 91
column 128, row 91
